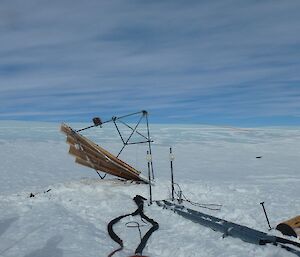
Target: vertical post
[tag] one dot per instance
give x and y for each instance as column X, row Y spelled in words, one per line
column 172, row 175
column 180, row 197
column 149, row 175
column 149, row 141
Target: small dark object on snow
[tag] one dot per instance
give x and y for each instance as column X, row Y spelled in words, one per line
column 258, row 157
column 33, row 195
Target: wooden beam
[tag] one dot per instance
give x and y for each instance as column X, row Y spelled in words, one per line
column 91, row 155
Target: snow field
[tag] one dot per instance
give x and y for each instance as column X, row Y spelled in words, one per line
column 212, row 165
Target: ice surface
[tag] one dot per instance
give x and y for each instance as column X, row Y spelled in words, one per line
column 212, row 165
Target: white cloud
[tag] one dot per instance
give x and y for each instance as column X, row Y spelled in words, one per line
column 223, row 57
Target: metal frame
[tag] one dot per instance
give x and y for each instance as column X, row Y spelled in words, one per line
column 126, row 141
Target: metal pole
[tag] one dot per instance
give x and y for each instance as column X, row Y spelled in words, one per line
column 172, row 176
column 130, row 136
column 113, row 119
column 86, row 128
column 141, row 142
column 149, row 176
column 131, row 114
column 149, row 141
column 262, row 204
column 132, row 129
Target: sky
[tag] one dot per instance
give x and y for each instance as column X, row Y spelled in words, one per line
column 205, row 62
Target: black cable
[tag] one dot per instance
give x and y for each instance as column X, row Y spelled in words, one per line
column 139, row 200
column 111, row 232
column 144, row 240
column 201, row 205
column 137, row 225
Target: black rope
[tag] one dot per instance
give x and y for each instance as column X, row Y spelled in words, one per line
column 113, row 235
column 135, row 225
column 209, row 206
column 144, row 240
column 139, row 200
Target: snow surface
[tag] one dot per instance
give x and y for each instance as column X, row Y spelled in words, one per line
column 212, row 165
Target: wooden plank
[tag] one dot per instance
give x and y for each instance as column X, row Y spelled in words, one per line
column 118, row 174
column 77, row 153
column 88, row 145
column 97, row 152
column 102, row 151
column 91, row 155
column 65, row 129
column 95, row 156
column 74, row 137
column 71, row 140
column 111, row 156
column 96, row 163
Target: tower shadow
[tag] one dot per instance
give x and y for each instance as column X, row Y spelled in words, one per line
column 6, row 223
column 50, row 249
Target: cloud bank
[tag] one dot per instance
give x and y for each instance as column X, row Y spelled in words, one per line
column 225, row 61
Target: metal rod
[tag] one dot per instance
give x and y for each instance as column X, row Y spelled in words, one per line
column 262, row 204
column 140, row 142
column 149, row 176
column 130, row 136
column 112, row 119
column 100, row 175
column 86, row 128
column 131, row 114
column 132, row 128
column 149, row 143
column 119, row 131
column 172, row 176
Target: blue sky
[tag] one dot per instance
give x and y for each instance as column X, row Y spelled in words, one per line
column 214, row 62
